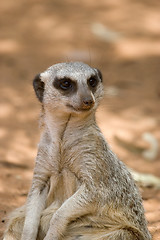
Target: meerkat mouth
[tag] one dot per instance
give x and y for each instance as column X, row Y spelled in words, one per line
column 78, row 109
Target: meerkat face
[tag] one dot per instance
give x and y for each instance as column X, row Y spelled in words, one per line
column 69, row 87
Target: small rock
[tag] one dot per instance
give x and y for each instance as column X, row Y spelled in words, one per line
column 112, row 91
column 105, row 33
column 152, row 152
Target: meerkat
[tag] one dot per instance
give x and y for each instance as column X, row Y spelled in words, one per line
column 80, row 189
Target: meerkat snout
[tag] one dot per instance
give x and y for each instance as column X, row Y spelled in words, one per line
column 87, row 103
column 83, row 102
column 87, row 99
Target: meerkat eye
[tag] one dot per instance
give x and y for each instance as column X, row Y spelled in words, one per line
column 65, row 84
column 92, row 82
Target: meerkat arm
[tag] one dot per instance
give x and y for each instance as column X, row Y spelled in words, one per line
column 33, row 213
column 35, row 203
column 75, row 206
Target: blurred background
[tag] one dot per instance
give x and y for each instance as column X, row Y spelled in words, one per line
column 122, row 39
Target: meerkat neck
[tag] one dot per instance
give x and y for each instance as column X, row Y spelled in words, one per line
column 56, row 124
column 82, row 120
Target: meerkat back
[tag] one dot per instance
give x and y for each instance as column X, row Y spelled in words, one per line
column 80, row 189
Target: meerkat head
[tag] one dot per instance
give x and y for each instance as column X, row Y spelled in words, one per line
column 69, row 87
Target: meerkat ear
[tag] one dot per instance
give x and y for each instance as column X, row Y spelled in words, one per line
column 99, row 74
column 38, row 86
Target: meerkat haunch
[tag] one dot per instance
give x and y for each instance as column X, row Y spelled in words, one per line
column 80, row 190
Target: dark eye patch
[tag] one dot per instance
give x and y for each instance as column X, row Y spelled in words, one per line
column 65, row 85
column 92, row 82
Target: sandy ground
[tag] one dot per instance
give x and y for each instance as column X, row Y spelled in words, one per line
column 120, row 37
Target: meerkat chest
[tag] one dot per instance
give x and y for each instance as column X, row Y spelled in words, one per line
column 64, row 181
column 64, row 158
column 63, row 184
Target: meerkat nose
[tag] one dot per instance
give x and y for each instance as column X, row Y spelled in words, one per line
column 87, row 103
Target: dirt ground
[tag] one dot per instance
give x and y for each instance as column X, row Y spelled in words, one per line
column 120, row 37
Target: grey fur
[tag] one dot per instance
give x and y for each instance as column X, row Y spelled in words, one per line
column 80, row 190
